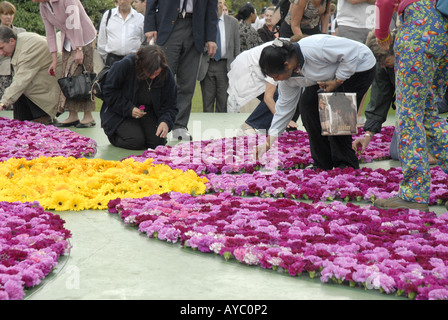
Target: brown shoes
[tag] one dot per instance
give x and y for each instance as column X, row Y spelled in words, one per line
column 398, row 203
column 44, row 120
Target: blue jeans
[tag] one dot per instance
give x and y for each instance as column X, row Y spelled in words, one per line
column 261, row 117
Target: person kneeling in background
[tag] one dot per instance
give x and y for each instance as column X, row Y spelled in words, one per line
column 140, row 100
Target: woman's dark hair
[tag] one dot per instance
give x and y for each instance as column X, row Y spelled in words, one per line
column 148, row 60
column 245, row 11
column 273, row 57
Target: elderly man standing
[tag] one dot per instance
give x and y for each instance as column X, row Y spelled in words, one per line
column 213, row 71
column 33, row 91
column 184, row 29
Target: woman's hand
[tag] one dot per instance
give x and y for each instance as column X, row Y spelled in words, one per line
column 292, row 124
column 385, row 43
column 79, row 56
column 137, row 113
column 361, row 143
column 329, row 86
column 162, row 130
column 260, row 150
column 52, row 69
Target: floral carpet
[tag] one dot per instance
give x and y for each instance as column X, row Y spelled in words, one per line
column 212, row 196
column 396, row 251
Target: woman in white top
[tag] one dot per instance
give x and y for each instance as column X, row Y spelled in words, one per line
column 332, row 64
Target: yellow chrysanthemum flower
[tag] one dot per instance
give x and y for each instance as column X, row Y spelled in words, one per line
column 61, row 183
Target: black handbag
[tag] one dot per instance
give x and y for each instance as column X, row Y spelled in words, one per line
column 77, row 87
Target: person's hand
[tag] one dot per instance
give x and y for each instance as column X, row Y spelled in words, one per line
column 292, row 124
column 2, row 105
column 329, row 86
column 297, row 37
column 260, row 150
column 151, row 35
column 162, row 130
column 52, row 69
column 385, row 43
column 211, row 48
column 137, row 113
column 361, row 143
column 79, row 57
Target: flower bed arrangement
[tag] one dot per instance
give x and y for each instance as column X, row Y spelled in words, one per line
column 31, row 241
column 61, row 183
column 403, row 252
column 29, row 140
column 347, row 184
column 235, row 155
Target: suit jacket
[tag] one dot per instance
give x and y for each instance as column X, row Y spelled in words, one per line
column 30, row 63
column 161, row 15
column 71, row 19
column 232, row 46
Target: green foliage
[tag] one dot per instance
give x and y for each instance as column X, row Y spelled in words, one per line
column 28, row 15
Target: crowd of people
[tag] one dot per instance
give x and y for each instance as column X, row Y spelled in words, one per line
column 157, row 50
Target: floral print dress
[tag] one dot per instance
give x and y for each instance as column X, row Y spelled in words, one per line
column 421, row 65
column 249, row 37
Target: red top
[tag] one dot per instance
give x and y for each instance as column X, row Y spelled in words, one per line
column 383, row 14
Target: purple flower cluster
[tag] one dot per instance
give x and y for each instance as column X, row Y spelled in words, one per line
column 404, row 252
column 29, row 140
column 31, row 241
column 338, row 184
column 236, row 154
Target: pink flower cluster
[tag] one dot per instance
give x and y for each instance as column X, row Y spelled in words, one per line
column 404, row 252
column 31, row 241
column 29, row 140
column 343, row 184
column 236, row 154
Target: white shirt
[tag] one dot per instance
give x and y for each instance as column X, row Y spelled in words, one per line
column 222, row 32
column 246, row 81
column 326, row 58
column 120, row 37
column 189, row 8
column 361, row 15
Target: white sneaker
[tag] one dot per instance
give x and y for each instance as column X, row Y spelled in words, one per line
column 181, row 134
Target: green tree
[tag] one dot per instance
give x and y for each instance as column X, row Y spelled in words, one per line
column 28, row 15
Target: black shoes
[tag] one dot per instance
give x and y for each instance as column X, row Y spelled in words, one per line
column 86, row 125
column 76, row 124
column 66, row 124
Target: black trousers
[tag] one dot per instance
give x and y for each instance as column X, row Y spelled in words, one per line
column 137, row 134
column 25, row 109
column 329, row 152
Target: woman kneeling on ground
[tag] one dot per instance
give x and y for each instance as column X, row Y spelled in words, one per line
column 140, row 100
